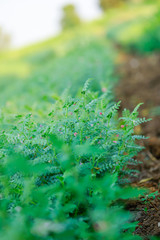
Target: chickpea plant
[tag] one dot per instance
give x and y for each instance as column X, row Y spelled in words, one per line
column 60, row 178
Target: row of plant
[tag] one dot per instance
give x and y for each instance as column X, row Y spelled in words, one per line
column 30, row 78
column 63, row 178
column 85, row 58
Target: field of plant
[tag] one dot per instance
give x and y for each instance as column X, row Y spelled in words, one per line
column 70, row 151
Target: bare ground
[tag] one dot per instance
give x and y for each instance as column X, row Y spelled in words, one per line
column 140, row 82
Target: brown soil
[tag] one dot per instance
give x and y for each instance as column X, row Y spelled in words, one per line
column 140, row 82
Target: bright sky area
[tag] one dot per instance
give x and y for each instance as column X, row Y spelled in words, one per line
column 29, row 21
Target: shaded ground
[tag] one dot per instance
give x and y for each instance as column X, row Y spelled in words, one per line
column 140, row 82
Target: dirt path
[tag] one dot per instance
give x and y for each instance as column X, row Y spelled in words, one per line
column 140, row 82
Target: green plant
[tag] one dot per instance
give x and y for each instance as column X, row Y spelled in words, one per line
column 77, row 206
column 88, row 119
column 60, row 178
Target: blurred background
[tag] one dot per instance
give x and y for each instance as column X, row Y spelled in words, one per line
column 48, row 47
column 32, row 21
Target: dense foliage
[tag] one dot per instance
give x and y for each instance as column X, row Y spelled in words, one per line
column 55, row 175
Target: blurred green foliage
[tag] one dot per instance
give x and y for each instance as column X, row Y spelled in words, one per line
column 30, row 78
column 70, row 18
column 141, row 34
column 53, row 74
